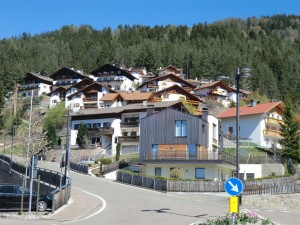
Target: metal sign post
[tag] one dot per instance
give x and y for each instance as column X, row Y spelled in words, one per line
column 233, row 186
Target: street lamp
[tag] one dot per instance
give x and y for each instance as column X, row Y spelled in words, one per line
column 240, row 72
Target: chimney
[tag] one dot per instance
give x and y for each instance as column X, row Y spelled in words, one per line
column 204, row 115
column 252, row 103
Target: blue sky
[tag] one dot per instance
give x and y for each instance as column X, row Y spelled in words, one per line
column 37, row 16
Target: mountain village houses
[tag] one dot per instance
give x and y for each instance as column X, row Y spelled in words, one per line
column 161, row 116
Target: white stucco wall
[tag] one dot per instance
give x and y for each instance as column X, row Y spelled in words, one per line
column 250, row 127
column 188, row 170
column 165, row 84
column 126, row 84
column 44, row 88
column 54, row 97
column 251, row 168
column 212, row 134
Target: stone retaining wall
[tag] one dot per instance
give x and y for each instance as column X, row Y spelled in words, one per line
column 279, row 202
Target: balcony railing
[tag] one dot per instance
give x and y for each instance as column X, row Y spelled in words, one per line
column 273, row 121
column 214, row 142
column 101, row 130
column 272, row 133
column 92, row 99
column 28, row 87
column 175, row 155
column 129, row 138
column 129, row 124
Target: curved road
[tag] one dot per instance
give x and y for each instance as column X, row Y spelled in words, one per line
column 112, row 203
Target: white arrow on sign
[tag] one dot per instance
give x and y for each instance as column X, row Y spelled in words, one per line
column 234, row 187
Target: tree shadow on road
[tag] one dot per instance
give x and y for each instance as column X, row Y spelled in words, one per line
column 165, row 210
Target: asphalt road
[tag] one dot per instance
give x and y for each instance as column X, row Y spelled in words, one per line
column 123, row 204
column 135, row 206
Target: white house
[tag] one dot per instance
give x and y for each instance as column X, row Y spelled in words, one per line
column 259, row 123
column 88, row 97
column 36, row 83
column 114, row 77
column 162, row 82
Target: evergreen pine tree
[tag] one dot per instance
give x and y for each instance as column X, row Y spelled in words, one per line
column 82, row 136
column 290, row 132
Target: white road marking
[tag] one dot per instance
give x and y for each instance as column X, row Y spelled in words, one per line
column 99, row 211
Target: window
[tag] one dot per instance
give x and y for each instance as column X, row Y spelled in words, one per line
column 200, row 173
column 76, row 126
column 106, row 124
column 96, row 125
column 192, row 151
column 250, row 175
column 214, row 131
column 230, row 130
column 180, row 128
column 158, row 171
column 154, row 151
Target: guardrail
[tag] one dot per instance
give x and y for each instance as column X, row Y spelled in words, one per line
column 50, row 181
column 81, row 168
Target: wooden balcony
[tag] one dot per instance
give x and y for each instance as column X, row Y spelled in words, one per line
column 273, row 121
column 156, row 100
column 91, row 99
column 191, row 102
column 272, row 133
column 101, row 130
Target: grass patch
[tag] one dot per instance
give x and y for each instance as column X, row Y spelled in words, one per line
column 130, row 157
column 17, row 150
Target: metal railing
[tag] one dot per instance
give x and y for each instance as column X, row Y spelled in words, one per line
column 282, row 185
column 184, row 155
column 81, row 168
column 50, row 182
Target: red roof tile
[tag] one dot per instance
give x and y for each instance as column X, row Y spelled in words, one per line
column 250, row 110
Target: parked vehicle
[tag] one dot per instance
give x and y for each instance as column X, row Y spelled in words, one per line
column 87, row 161
column 11, row 197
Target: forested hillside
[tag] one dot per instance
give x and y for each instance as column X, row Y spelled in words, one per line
column 270, row 46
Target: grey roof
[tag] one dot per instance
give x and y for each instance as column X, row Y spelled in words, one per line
column 43, row 77
column 115, row 110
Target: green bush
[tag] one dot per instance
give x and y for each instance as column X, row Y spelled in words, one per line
column 105, row 161
column 123, row 164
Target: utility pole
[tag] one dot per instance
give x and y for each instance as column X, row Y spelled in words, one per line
column 28, row 139
column 68, row 147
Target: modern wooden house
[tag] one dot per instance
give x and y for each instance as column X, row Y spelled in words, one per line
column 181, row 140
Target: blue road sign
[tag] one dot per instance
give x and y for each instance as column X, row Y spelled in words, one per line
column 233, row 186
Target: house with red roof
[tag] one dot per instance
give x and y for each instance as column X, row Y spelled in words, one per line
column 258, row 122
